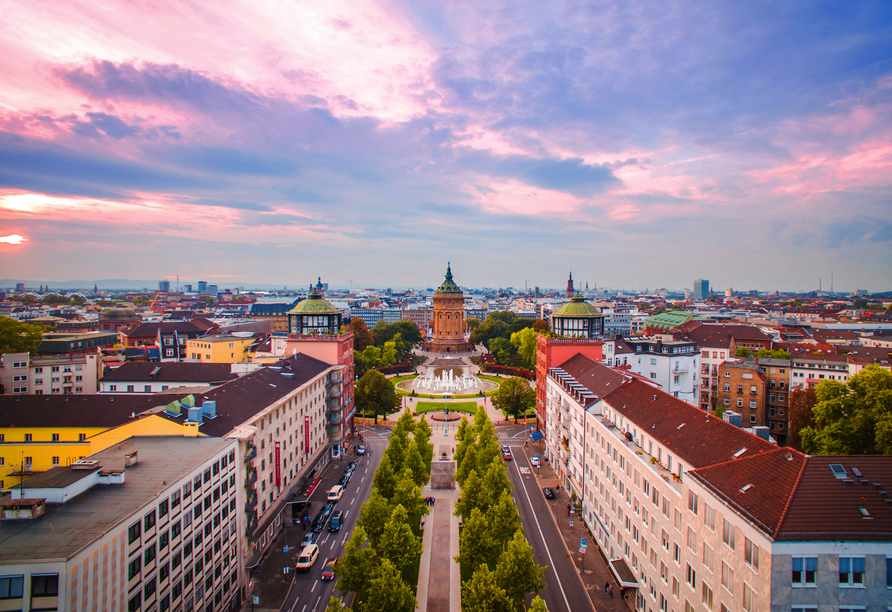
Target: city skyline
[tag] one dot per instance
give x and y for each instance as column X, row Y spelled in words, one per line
column 637, row 145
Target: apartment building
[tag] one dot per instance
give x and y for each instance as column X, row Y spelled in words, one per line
column 777, row 417
column 671, row 364
column 695, row 514
column 743, row 388
column 22, row 374
column 148, row 524
column 808, row 369
column 219, row 349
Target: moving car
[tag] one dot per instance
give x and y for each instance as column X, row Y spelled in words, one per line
column 308, row 539
column 535, row 461
column 322, row 517
column 335, row 493
column 361, row 450
column 549, row 494
column 507, row 455
column 334, row 525
column 307, row 558
column 328, row 568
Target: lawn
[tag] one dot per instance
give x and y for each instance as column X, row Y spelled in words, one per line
column 469, row 407
column 397, row 379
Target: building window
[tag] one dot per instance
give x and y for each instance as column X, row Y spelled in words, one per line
column 805, row 571
column 135, row 602
column 134, row 567
column 133, row 532
column 706, row 595
column 749, row 598
column 149, row 553
column 55, row 461
column 81, row 437
column 11, row 587
column 729, row 534
column 751, row 553
column 727, row 577
column 851, row 571
column 149, row 520
column 691, row 576
column 150, row 588
column 44, row 585
column 28, row 438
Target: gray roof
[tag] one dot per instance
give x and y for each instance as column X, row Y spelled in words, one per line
column 171, row 371
column 65, row 530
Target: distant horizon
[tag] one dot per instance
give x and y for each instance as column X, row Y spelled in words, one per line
column 139, row 285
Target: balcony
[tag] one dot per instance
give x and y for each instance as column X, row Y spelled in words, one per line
column 252, row 525
column 334, row 380
column 251, row 504
column 336, row 394
column 250, row 479
column 251, row 453
column 680, row 367
column 335, row 421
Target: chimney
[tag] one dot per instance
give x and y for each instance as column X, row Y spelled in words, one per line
column 131, row 459
column 209, row 409
column 735, row 418
column 762, row 432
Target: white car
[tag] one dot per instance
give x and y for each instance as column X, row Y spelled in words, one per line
column 335, row 493
column 535, row 461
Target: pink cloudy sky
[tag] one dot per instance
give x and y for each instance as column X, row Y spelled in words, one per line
column 638, row 144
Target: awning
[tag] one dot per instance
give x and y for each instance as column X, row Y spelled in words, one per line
column 623, row 574
column 253, row 561
column 536, row 436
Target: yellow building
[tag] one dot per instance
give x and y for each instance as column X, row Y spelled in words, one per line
column 38, row 433
column 218, row 349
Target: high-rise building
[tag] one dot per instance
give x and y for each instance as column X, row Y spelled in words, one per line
column 701, row 289
column 202, row 286
column 164, row 285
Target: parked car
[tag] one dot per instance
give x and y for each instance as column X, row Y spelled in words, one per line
column 309, row 538
column 535, row 461
column 549, row 494
column 361, row 450
column 334, row 525
column 335, row 493
column 322, row 517
column 344, row 479
column 307, row 558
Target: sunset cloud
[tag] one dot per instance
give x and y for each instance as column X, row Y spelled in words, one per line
column 232, row 141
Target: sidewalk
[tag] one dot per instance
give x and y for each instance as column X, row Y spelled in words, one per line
column 592, row 566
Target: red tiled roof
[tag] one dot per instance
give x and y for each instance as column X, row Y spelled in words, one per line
column 769, row 480
column 698, row 438
column 597, row 378
column 711, row 335
column 825, row 507
column 870, row 354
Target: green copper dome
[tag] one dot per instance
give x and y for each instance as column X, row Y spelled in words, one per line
column 448, row 285
column 314, row 305
column 577, row 307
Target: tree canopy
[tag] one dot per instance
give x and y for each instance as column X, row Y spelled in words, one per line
column 387, row 592
column 514, row 397
column 375, row 394
column 398, row 544
column 17, row 337
column 362, row 337
column 853, row 418
column 525, row 343
column 482, row 594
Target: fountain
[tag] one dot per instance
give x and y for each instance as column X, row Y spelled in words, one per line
column 456, row 379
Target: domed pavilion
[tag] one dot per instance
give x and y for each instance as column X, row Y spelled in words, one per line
column 577, row 319
column 314, row 316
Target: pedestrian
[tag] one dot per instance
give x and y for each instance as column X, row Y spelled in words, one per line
column 610, row 590
column 568, row 509
column 606, row 588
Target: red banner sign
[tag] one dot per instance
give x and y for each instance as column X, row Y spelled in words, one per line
column 307, row 435
column 278, row 465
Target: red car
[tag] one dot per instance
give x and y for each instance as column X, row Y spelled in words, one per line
column 328, row 570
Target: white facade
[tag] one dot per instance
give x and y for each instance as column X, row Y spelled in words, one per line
column 710, row 360
column 22, row 375
column 809, row 372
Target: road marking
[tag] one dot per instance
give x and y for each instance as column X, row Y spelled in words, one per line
column 524, row 470
column 352, row 500
column 313, row 588
column 523, row 433
column 547, row 550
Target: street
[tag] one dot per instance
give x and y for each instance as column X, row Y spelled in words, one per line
column 563, row 590
column 309, row 593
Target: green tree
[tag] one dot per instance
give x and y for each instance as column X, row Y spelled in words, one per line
column 471, row 323
column 742, row 351
column 416, row 466
column 541, row 325
column 472, row 495
column 334, row 605
column 525, row 343
column 362, row 337
column 409, row 332
column 396, row 450
column 495, row 482
column 503, row 519
column 482, row 594
column 468, row 464
column 398, row 544
column 502, row 350
column 385, row 478
column 514, row 397
column 802, row 404
column 476, row 545
column 374, row 514
column 389, row 354
column 408, row 495
column 387, row 592
column 16, row 337
column 466, row 439
column 517, row 571
column 772, row 354
column 538, row 605
column 354, row 566
column 405, row 424
column 376, row 395
column 422, row 436
column 852, row 419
